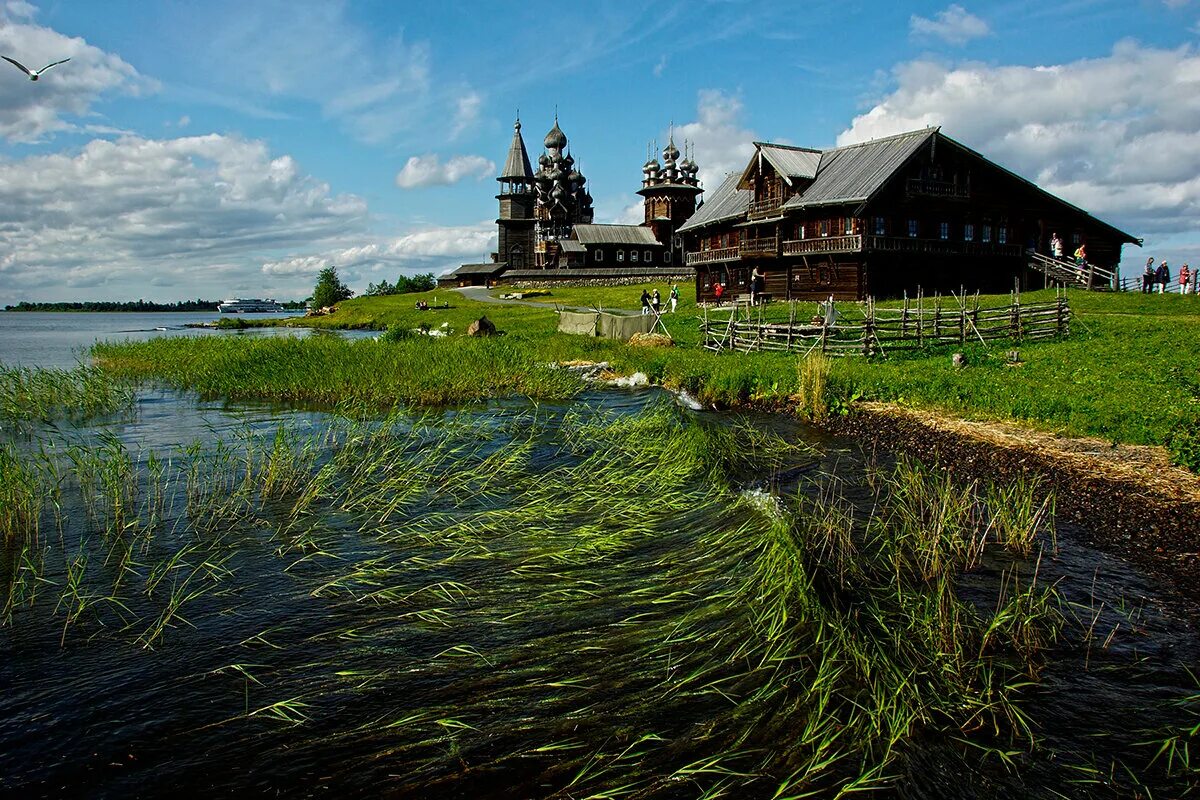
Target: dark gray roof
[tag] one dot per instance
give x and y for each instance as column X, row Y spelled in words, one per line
column 595, row 272
column 615, row 234
column 478, row 269
column 727, row 202
column 572, row 246
column 791, row 162
column 516, row 166
column 853, row 173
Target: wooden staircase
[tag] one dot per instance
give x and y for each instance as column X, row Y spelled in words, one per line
column 1068, row 273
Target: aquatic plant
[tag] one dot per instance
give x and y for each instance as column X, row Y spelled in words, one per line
column 33, row 394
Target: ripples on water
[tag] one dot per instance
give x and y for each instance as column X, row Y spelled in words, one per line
column 360, row 660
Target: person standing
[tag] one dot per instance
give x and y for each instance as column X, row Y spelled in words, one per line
column 674, row 297
column 718, row 290
column 1081, row 255
column 1164, row 276
column 1185, row 279
column 1056, row 246
column 1148, row 276
column 656, row 301
column 645, row 302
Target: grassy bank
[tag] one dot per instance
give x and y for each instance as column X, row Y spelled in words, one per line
column 1127, row 372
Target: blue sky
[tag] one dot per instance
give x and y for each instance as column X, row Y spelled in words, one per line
column 226, row 148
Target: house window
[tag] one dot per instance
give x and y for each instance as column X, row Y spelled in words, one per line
column 667, row 257
column 912, row 229
column 1002, row 235
column 599, row 255
column 985, row 234
column 800, row 231
column 968, row 232
column 824, row 227
column 849, row 226
column 880, row 226
column 1076, row 239
column 620, row 255
column 632, row 255
column 944, row 230
column 647, row 256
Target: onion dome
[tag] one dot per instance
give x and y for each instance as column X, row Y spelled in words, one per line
column 555, row 139
column 671, row 152
column 650, row 166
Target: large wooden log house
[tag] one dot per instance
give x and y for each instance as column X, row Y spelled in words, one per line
column 880, row 218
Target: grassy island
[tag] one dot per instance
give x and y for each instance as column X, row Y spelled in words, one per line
column 1127, row 373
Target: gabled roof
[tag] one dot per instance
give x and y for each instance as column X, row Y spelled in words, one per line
column 615, row 234
column 516, row 166
column 725, row 203
column 792, row 163
column 853, row 173
column 490, row 268
column 571, row 246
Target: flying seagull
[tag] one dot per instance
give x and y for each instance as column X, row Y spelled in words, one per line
column 33, row 74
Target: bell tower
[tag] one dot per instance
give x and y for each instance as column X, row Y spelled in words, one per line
column 670, row 191
column 516, row 240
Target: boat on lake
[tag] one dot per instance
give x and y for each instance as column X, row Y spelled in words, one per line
column 238, row 305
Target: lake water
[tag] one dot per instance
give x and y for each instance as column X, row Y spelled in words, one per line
column 37, row 339
column 480, row 605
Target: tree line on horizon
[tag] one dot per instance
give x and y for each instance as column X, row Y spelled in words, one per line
column 199, row 304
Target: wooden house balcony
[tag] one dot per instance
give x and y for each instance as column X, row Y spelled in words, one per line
column 949, row 247
column 822, row 244
column 920, row 187
column 767, row 207
column 714, row 256
column 759, row 248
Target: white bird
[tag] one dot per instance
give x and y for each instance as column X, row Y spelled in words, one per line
column 33, row 74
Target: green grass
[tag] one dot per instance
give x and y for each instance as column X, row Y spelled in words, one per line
column 42, row 395
column 1127, row 373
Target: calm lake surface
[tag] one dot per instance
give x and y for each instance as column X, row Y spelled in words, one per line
column 50, row 339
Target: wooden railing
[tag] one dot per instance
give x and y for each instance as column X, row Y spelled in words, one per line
column 946, row 189
column 951, row 247
column 764, row 208
column 759, row 247
column 823, row 244
column 714, row 256
column 1088, row 276
column 915, row 326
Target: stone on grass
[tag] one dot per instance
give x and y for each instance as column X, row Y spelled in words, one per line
column 481, row 327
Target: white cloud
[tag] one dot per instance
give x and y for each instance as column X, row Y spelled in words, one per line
column 955, row 25
column 428, row 170
column 1115, row 135
column 722, row 145
column 424, row 250
column 466, row 113
column 195, row 212
column 30, row 111
column 661, row 66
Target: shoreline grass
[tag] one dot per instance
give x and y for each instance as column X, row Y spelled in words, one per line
column 1121, row 375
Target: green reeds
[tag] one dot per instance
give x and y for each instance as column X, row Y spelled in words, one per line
column 30, row 394
column 812, row 386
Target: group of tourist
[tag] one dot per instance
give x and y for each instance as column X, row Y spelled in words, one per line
column 1158, row 279
column 653, row 302
column 1057, row 250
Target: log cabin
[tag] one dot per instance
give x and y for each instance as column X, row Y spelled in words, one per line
column 881, row 218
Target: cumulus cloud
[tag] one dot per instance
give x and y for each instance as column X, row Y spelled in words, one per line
column 428, row 249
column 722, row 145
column 1115, row 135
column 197, row 211
column 428, row 170
column 30, row 111
column 955, row 25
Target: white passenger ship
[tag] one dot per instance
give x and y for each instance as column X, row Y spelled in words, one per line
column 239, row 305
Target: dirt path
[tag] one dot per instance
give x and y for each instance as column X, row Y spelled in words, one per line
column 1129, row 496
column 480, row 293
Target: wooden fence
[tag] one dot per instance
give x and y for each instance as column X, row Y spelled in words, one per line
column 915, row 325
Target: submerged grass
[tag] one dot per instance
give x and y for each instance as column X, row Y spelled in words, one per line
column 626, row 620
